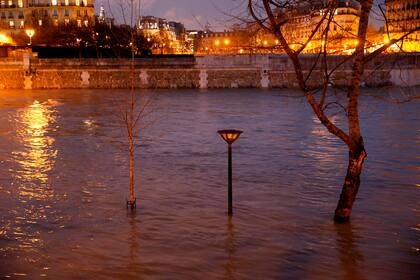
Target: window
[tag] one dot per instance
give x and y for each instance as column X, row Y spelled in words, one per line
column 11, row 24
column 79, row 23
column 66, row 21
column 10, row 14
column 40, row 22
column 66, row 2
column 78, row 13
column 84, row 3
column 54, row 2
column 86, row 23
column 86, row 13
column 22, row 24
column 77, row 2
column 55, row 13
column 10, row 3
column 20, row 3
column 66, row 13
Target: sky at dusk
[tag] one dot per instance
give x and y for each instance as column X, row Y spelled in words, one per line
column 195, row 14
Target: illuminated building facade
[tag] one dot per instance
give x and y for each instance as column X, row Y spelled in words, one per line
column 341, row 31
column 167, row 36
column 15, row 15
column 215, row 42
column 403, row 16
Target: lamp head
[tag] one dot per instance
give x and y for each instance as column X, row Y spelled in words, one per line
column 30, row 32
column 230, row 135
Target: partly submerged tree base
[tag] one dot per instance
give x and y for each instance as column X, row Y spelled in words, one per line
column 132, row 204
column 341, row 219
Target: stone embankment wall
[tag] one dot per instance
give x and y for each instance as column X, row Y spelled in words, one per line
column 252, row 71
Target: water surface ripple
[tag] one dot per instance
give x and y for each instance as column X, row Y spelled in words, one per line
column 63, row 185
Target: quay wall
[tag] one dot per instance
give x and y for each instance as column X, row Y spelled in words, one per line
column 240, row 71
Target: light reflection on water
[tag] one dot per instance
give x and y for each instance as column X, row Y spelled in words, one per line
column 38, row 157
column 63, row 184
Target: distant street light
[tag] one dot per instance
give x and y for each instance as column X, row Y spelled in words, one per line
column 30, row 33
column 230, row 136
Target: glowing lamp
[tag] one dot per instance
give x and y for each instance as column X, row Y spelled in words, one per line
column 30, row 33
column 230, row 135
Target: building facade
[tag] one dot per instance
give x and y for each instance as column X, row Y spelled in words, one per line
column 342, row 29
column 16, row 15
column 402, row 17
column 167, row 37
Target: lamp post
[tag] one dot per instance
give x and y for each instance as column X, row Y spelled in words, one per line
column 30, row 33
column 230, row 136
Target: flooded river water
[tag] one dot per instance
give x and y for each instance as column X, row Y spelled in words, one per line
column 64, row 182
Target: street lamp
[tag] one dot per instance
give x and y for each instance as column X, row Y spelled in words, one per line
column 30, row 33
column 230, row 136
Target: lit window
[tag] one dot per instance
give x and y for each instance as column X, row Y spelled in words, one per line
column 77, row 2
column 84, row 2
column 22, row 24
column 79, row 23
column 11, row 24
column 66, row 2
column 40, row 22
column 20, row 3
column 66, row 13
column 66, row 21
column 86, row 23
column 56, row 22
column 54, row 2
column 10, row 2
column 55, row 13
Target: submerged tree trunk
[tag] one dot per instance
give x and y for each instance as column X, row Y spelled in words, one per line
column 132, row 199
column 351, row 185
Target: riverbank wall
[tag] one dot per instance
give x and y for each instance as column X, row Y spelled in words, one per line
column 236, row 71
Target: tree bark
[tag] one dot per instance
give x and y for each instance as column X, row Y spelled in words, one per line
column 351, row 185
column 131, row 173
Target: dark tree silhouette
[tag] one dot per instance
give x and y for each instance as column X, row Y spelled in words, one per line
column 272, row 16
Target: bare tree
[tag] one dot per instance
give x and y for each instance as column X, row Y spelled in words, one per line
column 273, row 16
column 135, row 109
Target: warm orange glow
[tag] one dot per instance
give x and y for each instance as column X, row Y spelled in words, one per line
column 39, row 157
column 386, row 40
column 227, row 41
column 4, row 39
column 265, row 43
column 230, row 135
column 277, row 42
column 217, row 43
column 241, row 51
column 30, row 32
